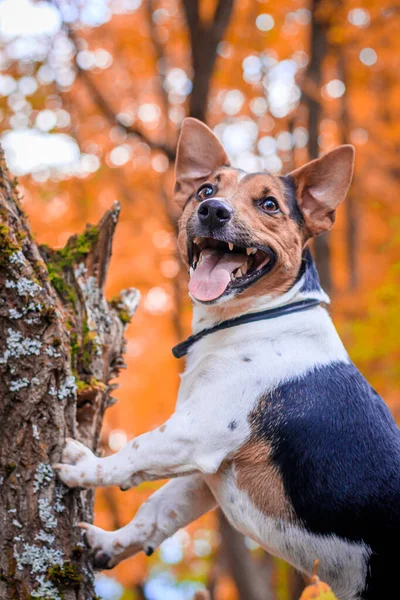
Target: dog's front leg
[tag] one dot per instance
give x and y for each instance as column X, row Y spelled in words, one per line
column 175, row 505
column 184, row 444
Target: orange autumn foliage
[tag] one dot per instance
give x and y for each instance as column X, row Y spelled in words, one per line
column 138, row 87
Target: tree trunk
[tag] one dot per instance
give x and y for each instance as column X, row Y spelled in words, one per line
column 60, row 345
column 252, row 579
column 318, row 49
column 204, row 39
column 350, row 204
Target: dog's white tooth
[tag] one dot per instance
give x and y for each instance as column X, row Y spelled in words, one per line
column 232, row 277
column 197, row 240
column 249, row 251
column 191, row 271
column 253, row 250
column 244, row 268
column 230, row 246
column 239, row 273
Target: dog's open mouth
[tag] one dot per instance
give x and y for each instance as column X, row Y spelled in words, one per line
column 218, row 267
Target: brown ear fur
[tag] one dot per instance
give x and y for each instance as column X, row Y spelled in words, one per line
column 198, row 154
column 321, row 185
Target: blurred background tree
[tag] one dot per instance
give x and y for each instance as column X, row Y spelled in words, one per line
column 92, row 94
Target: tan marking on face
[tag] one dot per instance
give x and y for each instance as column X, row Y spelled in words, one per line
column 135, row 445
column 256, row 474
column 117, row 545
column 163, row 428
column 279, row 231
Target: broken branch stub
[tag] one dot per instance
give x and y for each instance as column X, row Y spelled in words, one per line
column 78, row 273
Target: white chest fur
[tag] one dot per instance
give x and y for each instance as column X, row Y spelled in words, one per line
column 227, row 372
column 237, row 363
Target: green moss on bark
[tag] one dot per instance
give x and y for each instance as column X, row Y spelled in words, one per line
column 60, row 262
column 7, row 245
column 123, row 314
column 66, row 575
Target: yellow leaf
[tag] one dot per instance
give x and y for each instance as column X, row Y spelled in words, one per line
column 317, row 590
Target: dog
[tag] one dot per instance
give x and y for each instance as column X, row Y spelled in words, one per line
column 273, row 422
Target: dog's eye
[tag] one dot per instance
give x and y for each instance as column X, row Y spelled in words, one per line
column 206, row 191
column 270, row 205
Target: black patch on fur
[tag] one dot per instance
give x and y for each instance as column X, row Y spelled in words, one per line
column 149, row 551
column 86, row 540
column 308, row 268
column 337, row 448
column 291, row 200
column 232, row 425
column 246, row 359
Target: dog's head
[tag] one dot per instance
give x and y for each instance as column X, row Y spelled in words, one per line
column 243, row 233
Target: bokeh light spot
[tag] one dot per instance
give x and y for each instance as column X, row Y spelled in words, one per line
column 359, row 17
column 117, row 439
column 157, row 301
column 368, row 56
column 335, row 88
column 265, row 22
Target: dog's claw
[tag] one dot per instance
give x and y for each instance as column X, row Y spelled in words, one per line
column 85, row 537
column 109, row 548
column 78, row 466
column 101, row 560
column 149, row 551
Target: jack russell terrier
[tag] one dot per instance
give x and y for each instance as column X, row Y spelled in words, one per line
column 273, row 421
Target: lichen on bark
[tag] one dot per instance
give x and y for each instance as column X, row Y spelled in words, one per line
column 61, row 343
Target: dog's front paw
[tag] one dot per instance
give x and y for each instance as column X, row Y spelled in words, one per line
column 99, row 543
column 132, row 481
column 107, row 547
column 79, row 467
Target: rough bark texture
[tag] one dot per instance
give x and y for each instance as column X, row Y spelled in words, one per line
column 318, row 49
column 60, row 345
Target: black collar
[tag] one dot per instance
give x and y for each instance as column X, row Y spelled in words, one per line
column 182, row 349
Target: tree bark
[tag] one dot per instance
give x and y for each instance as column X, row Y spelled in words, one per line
column 204, row 43
column 318, row 49
column 60, row 345
column 252, row 580
column 350, row 203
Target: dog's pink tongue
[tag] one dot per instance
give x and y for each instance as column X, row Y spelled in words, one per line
column 211, row 278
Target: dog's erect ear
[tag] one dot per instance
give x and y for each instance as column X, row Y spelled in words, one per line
column 198, row 154
column 321, row 185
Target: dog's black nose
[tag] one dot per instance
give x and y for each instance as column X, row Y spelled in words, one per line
column 214, row 213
